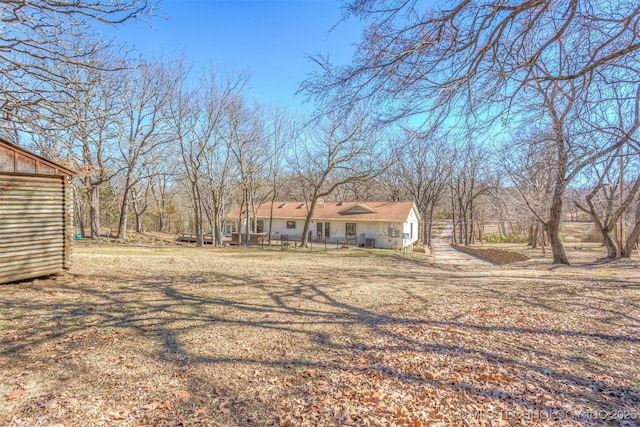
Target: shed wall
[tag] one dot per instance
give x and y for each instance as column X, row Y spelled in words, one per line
column 35, row 226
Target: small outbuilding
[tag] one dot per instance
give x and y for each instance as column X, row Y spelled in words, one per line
column 36, row 215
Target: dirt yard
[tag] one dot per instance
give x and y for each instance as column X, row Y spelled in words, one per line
column 178, row 336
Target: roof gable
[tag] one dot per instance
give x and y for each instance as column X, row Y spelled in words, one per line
column 358, row 208
column 14, row 159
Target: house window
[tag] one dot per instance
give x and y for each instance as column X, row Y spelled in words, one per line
column 291, row 225
column 260, row 226
column 351, row 229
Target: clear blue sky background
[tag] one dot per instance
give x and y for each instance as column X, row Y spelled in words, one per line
column 271, row 39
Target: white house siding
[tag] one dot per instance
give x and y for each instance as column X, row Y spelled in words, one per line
column 410, row 227
column 280, row 226
column 387, row 233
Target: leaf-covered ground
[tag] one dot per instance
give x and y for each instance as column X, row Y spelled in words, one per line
column 166, row 336
column 496, row 256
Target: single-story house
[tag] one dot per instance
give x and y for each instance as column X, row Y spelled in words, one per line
column 36, row 215
column 391, row 225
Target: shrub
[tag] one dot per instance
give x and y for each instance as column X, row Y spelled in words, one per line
column 518, row 238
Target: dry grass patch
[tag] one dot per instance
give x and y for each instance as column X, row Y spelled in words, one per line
column 179, row 336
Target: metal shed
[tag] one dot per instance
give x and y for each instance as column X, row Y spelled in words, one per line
column 36, row 215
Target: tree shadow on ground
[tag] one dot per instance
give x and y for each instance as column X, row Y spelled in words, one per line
column 241, row 346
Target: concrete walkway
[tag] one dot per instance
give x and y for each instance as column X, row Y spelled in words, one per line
column 445, row 254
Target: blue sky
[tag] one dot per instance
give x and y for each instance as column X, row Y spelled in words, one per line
column 271, row 39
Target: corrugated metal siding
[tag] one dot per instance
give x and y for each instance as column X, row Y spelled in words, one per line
column 33, row 226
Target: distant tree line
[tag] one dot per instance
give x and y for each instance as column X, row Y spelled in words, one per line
column 518, row 114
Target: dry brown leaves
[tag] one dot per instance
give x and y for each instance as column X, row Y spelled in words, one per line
column 184, row 337
column 497, row 256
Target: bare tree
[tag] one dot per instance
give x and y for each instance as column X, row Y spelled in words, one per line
column 333, row 151
column 572, row 110
column 196, row 119
column 38, row 43
column 617, row 122
column 182, row 116
column 162, row 187
column 163, row 191
column 608, row 201
column 281, row 134
column 217, row 178
column 469, row 181
column 54, row 80
column 483, row 58
column 248, row 142
column 429, row 59
column 530, row 163
column 141, row 129
column 139, row 196
column 83, row 131
column 425, row 168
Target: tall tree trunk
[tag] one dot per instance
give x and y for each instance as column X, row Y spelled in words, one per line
column 307, row 222
column 242, row 225
column 124, row 211
column 425, row 232
column 613, row 250
column 199, row 227
column 471, row 224
column 138, row 220
column 197, row 214
column 273, row 199
column 453, row 219
column 124, row 208
column 607, row 231
column 94, row 212
column 533, row 235
column 543, row 228
column 78, row 211
column 124, row 216
column 218, row 209
column 555, row 217
column 428, row 226
column 632, row 241
column 464, row 225
column 161, row 215
column 216, row 228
